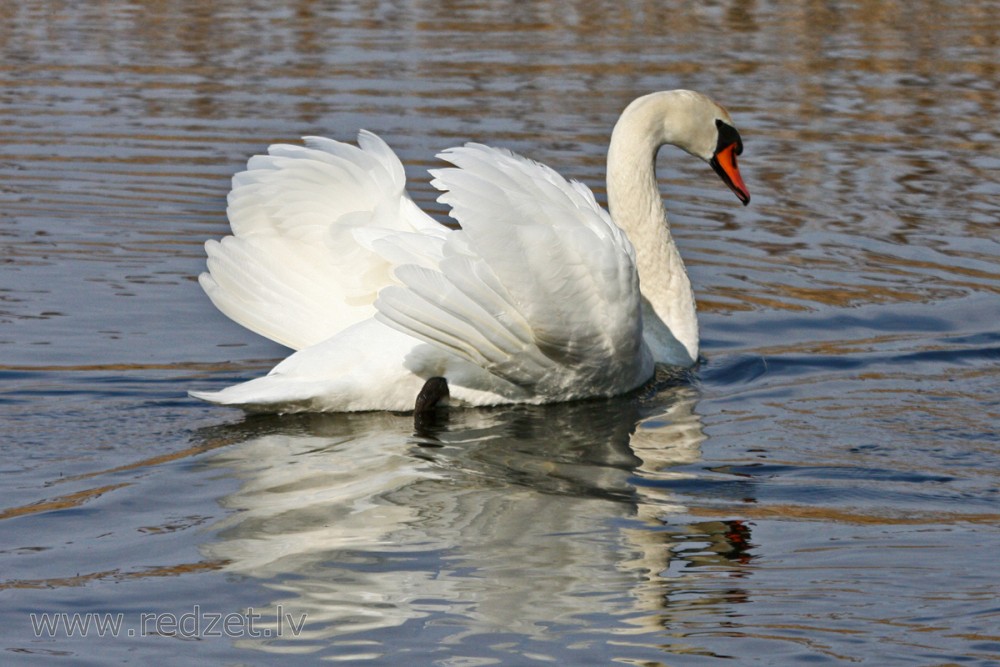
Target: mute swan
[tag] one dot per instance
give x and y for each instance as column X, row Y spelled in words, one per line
column 541, row 296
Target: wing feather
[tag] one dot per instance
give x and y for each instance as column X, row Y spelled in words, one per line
column 539, row 286
column 294, row 269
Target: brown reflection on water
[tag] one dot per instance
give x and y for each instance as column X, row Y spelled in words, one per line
column 822, row 514
column 116, row 576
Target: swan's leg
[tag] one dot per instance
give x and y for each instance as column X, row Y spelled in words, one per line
column 433, row 392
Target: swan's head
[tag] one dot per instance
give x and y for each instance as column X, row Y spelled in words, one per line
column 695, row 123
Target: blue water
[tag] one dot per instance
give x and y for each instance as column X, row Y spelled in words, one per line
column 823, row 488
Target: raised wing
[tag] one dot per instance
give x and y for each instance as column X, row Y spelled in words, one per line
column 294, row 269
column 539, row 286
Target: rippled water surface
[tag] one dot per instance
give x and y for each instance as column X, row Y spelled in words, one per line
column 823, row 488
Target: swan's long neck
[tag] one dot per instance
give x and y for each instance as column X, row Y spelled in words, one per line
column 670, row 323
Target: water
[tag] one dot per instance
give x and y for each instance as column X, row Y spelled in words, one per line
column 823, row 489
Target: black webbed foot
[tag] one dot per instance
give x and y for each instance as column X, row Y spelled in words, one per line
column 433, row 392
column 426, row 416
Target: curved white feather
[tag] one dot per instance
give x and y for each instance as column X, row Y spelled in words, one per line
column 538, row 287
column 294, row 271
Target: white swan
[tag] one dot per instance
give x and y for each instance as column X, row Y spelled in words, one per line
column 541, row 296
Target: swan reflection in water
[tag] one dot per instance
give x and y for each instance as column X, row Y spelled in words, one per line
column 500, row 520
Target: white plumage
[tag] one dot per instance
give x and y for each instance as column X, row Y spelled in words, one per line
column 536, row 298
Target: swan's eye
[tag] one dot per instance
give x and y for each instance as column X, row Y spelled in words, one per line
column 728, row 136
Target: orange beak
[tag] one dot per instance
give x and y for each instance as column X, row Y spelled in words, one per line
column 724, row 163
